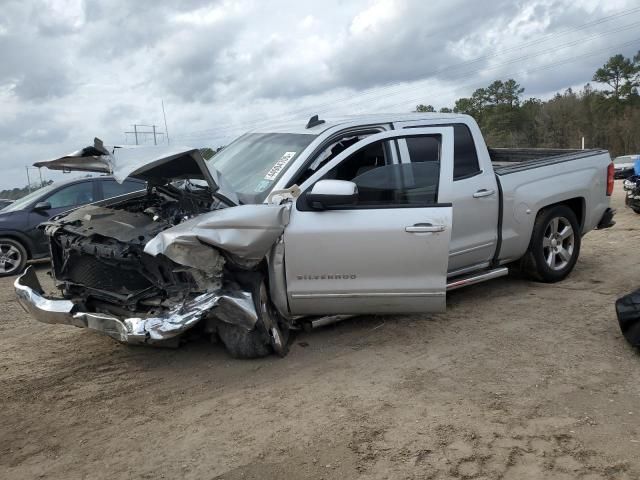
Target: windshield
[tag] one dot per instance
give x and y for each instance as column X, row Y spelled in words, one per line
column 21, row 203
column 252, row 164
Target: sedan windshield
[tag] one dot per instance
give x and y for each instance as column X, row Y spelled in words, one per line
column 252, row 164
column 23, row 202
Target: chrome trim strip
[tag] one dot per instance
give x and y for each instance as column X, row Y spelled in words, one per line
column 469, row 269
column 367, row 295
column 472, row 249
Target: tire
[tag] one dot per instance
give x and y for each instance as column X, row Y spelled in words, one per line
column 636, row 210
column 270, row 334
column 13, row 257
column 554, row 246
column 241, row 343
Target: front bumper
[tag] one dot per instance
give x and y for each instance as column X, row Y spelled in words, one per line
column 134, row 330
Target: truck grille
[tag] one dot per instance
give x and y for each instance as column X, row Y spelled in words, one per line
column 92, row 273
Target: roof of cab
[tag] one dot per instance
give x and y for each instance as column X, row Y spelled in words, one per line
column 299, row 126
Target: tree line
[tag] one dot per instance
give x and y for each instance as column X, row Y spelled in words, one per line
column 16, row 193
column 607, row 118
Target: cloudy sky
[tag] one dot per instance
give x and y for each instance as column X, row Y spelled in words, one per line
column 71, row 70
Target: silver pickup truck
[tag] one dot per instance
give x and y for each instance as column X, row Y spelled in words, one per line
column 295, row 225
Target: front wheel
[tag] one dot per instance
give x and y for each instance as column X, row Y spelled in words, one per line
column 13, row 257
column 555, row 245
column 270, row 334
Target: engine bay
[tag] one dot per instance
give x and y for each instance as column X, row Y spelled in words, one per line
column 98, row 257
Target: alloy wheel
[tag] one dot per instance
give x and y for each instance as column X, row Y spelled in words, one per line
column 10, row 258
column 558, row 243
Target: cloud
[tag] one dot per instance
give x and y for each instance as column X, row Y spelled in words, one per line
column 32, row 70
column 75, row 69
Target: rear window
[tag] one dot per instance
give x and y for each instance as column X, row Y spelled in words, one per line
column 625, row 159
column 465, row 156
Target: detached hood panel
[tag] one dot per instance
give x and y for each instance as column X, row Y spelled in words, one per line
column 147, row 163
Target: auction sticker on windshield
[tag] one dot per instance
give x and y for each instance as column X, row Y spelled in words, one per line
column 279, row 165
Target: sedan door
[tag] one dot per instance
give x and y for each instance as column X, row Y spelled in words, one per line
column 65, row 198
column 388, row 251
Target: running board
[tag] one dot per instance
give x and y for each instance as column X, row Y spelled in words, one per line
column 477, row 278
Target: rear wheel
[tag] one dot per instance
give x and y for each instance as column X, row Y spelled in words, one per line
column 555, row 245
column 13, row 257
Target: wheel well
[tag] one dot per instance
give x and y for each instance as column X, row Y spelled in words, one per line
column 20, row 241
column 575, row 204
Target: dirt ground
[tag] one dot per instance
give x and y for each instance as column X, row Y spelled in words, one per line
column 517, row 380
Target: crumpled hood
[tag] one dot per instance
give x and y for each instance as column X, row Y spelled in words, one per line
column 247, row 232
column 154, row 164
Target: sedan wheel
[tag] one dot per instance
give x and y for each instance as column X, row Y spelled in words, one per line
column 13, row 257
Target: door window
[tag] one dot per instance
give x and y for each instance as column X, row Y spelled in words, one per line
column 330, row 151
column 111, row 188
column 383, row 183
column 73, row 195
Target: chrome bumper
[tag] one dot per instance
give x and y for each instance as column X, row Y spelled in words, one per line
column 47, row 310
column 131, row 330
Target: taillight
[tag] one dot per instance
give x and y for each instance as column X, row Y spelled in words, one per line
column 610, row 172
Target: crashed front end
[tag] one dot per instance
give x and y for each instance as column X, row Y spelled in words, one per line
column 632, row 192
column 147, row 267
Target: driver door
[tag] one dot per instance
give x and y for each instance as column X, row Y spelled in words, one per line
column 388, row 251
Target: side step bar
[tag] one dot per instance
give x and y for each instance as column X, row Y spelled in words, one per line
column 474, row 278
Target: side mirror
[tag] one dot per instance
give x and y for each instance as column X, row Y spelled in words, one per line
column 41, row 206
column 328, row 193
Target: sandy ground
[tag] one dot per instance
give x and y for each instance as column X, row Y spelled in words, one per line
column 517, row 380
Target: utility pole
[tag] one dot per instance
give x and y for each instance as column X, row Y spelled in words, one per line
column 40, row 172
column 140, row 133
column 165, row 122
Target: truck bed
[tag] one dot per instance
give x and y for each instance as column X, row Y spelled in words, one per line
column 510, row 160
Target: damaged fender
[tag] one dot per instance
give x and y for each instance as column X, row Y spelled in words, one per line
column 247, row 233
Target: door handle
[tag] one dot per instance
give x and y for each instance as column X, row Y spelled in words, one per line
column 424, row 228
column 483, row 193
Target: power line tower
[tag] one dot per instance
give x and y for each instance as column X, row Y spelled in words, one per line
column 141, row 133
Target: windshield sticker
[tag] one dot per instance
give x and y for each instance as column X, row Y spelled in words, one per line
column 262, row 186
column 279, row 165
